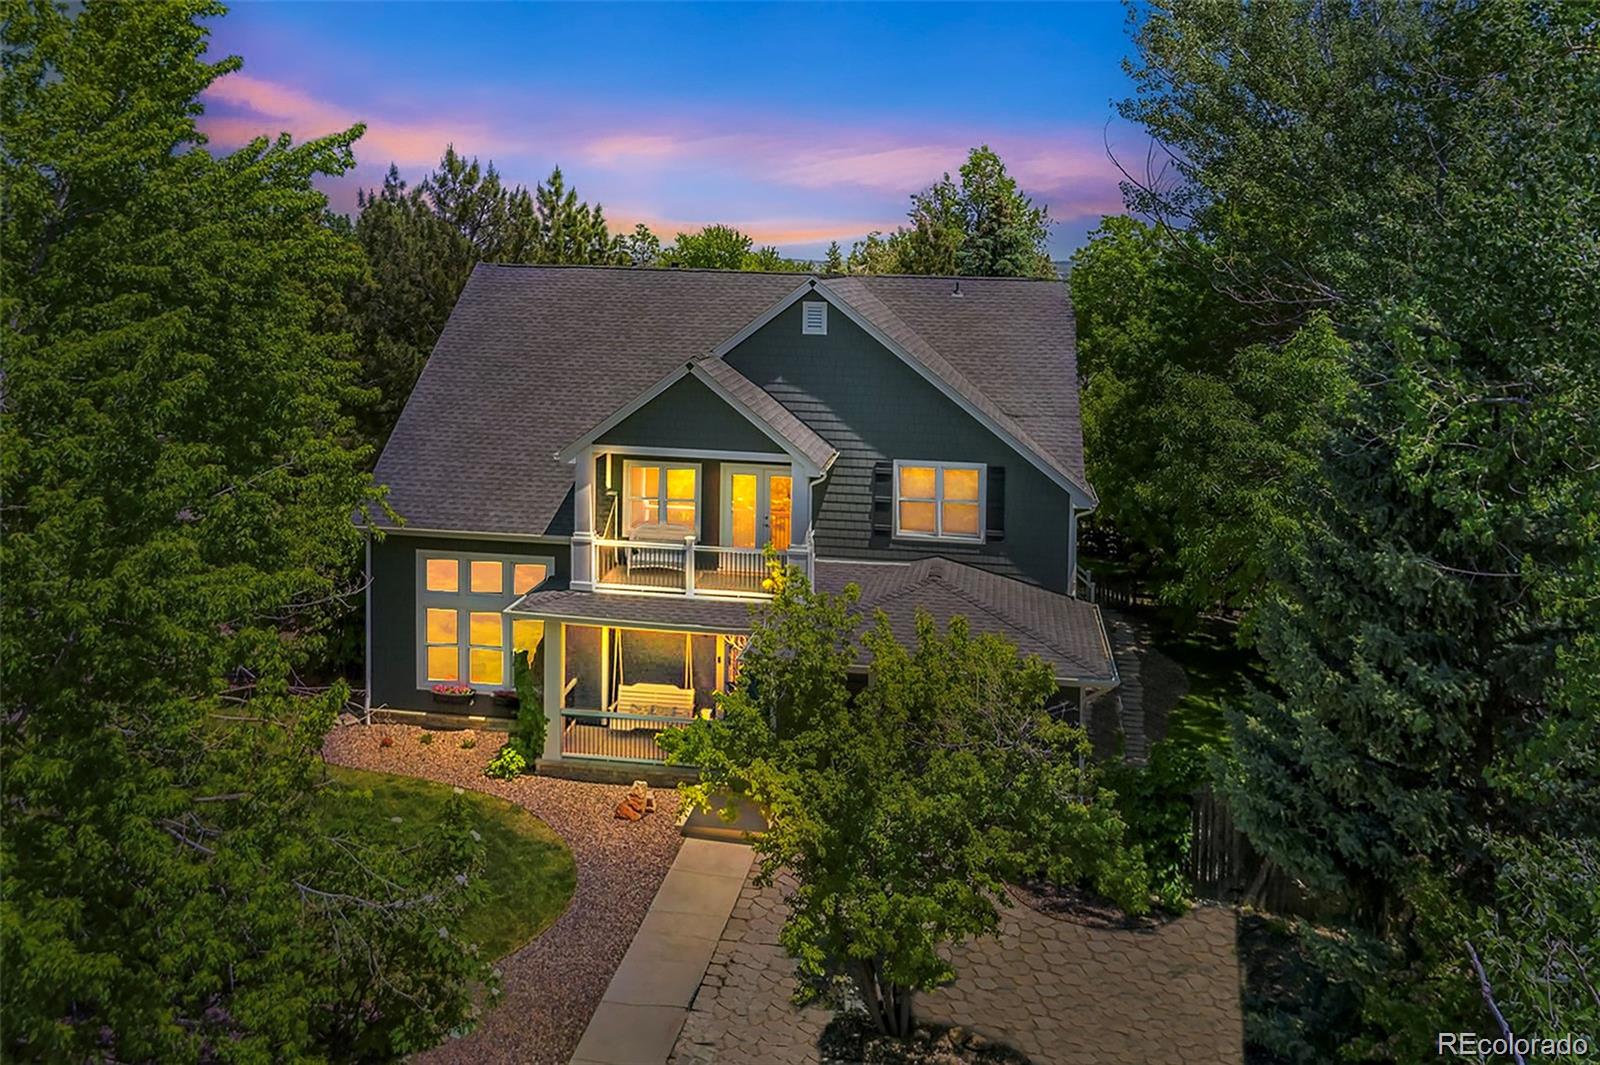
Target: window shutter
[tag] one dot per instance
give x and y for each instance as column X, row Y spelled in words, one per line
column 882, row 499
column 995, row 519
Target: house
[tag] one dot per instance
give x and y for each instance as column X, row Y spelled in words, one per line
column 594, row 458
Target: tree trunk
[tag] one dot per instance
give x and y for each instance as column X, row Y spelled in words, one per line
column 888, row 1004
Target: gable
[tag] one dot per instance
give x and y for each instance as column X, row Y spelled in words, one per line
column 856, row 393
column 872, row 406
column 688, row 414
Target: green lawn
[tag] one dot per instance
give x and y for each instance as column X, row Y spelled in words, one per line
column 1217, row 670
column 529, row 870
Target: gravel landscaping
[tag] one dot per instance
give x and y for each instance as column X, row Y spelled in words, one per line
column 552, row 985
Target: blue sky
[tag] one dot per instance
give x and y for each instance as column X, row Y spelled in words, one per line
column 799, row 123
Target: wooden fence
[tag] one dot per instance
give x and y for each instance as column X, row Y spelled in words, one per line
column 1225, row 867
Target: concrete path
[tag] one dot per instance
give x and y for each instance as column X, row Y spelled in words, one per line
column 639, row 1017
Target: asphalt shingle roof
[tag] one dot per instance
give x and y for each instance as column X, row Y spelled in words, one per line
column 1066, row 633
column 758, row 401
column 533, row 356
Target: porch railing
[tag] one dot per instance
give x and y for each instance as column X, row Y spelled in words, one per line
column 686, row 567
column 614, row 737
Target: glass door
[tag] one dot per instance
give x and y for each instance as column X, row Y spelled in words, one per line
column 759, row 509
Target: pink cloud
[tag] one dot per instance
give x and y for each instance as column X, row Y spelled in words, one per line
column 255, row 106
column 620, row 147
column 765, row 230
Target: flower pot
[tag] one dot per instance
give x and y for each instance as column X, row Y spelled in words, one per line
column 507, row 699
column 452, row 700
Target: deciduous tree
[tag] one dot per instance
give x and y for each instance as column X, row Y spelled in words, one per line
column 901, row 812
column 179, row 479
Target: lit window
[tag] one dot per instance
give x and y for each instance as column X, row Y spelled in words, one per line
column 463, row 636
column 444, row 575
column 487, row 577
column 934, row 500
column 525, row 635
column 444, row 648
column 661, row 498
column 526, row 576
column 486, row 655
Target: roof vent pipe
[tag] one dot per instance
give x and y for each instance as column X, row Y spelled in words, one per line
column 957, row 290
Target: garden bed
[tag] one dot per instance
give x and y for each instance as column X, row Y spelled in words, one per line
column 851, row 1039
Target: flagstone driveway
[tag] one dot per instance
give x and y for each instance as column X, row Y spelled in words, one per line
column 1058, row 991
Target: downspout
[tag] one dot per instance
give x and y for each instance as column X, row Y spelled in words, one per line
column 366, row 695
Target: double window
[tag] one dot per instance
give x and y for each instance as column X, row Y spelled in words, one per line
column 660, row 500
column 939, row 500
column 464, row 637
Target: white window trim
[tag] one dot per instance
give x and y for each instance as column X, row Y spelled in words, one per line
column 938, row 501
column 661, row 498
column 763, row 499
column 465, row 602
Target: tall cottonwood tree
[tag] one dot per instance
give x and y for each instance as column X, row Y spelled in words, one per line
column 178, row 485
column 1424, row 177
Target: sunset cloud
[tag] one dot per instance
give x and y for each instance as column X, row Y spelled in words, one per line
column 249, row 107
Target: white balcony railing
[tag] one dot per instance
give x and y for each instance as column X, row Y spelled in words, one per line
column 686, row 567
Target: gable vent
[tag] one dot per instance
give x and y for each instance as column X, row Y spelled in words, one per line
column 814, row 318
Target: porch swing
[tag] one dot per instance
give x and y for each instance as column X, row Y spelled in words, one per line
column 657, row 700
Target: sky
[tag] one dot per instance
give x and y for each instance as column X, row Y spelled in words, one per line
column 798, row 123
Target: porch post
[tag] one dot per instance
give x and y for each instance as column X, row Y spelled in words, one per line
column 800, row 520
column 583, row 520
column 555, row 675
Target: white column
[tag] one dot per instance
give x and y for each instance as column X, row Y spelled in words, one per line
column 583, row 520
column 800, row 520
column 555, row 675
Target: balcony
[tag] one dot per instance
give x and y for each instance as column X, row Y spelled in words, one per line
column 684, row 567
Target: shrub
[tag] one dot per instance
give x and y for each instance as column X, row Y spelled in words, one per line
column 529, row 732
column 507, row 764
column 425, row 739
column 1156, row 804
column 468, row 742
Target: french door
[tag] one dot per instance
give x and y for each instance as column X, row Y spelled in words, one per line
column 758, row 507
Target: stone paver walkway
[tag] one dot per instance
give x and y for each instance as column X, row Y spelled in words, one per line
column 1066, row 994
column 643, row 1009
column 1060, row 992
column 743, row 1014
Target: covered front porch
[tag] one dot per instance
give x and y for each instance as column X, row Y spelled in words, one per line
column 611, row 690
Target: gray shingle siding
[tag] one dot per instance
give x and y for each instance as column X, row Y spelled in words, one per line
column 870, row 406
column 689, row 415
